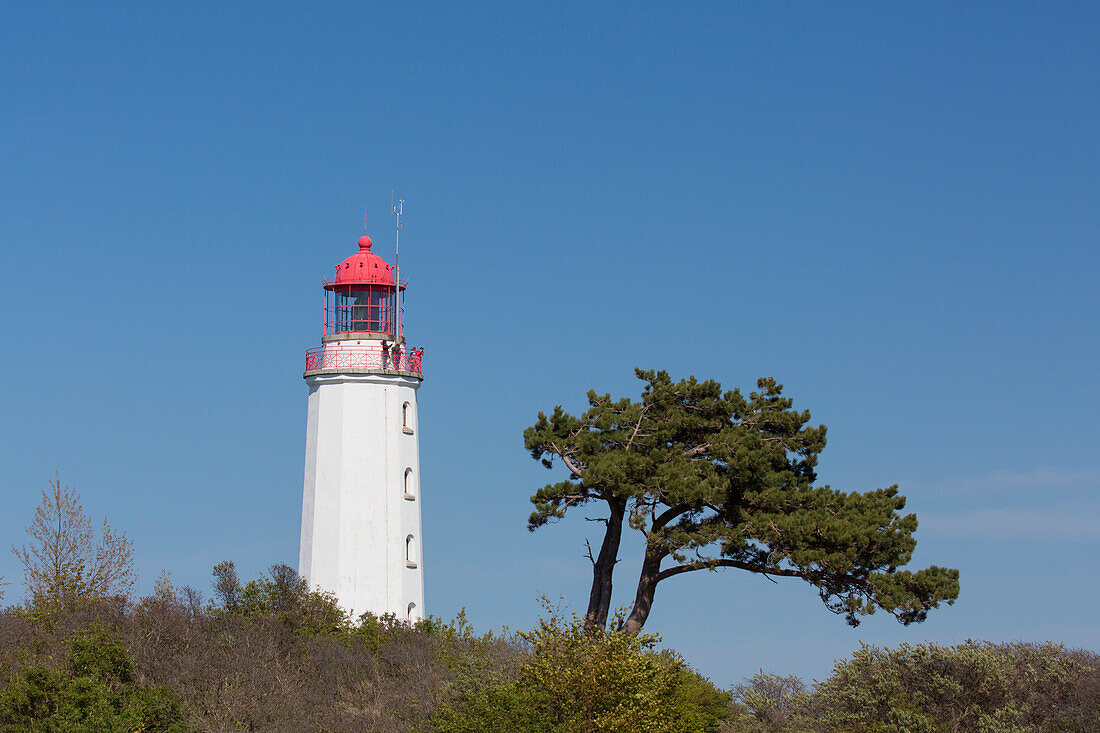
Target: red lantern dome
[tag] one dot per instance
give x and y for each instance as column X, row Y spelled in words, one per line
column 363, row 268
column 365, row 301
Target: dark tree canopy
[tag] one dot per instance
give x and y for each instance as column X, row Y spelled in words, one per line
column 714, row 479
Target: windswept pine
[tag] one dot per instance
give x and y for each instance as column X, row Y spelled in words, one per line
column 715, row 479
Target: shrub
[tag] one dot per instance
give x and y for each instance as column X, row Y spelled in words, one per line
column 771, row 703
column 95, row 692
column 577, row 679
column 976, row 686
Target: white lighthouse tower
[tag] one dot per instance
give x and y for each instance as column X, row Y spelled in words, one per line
column 361, row 501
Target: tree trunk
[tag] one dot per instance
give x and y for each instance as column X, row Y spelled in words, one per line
column 647, row 585
column 599, row 600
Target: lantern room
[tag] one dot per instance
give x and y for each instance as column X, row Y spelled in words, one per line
column 362, row 300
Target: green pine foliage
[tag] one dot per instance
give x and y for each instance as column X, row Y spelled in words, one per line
column 714, row 479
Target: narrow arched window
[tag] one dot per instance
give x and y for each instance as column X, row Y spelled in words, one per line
column 409, row 484
column 413, row 616
column 406, row 419
column 410, row 552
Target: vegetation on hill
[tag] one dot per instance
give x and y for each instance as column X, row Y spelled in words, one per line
column 269, row 654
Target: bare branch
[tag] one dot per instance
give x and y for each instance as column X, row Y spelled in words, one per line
column 637, row 427
column 727, row 563
column 697, row 450
column 570, row 463
column 577, row 471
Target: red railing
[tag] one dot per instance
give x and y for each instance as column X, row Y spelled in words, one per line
column 364, row 357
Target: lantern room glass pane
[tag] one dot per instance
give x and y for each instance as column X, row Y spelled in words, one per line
column 364, row 308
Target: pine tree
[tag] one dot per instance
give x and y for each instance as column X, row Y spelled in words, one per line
column 713, row 479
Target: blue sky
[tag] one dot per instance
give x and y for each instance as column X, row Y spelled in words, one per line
column 893, row 210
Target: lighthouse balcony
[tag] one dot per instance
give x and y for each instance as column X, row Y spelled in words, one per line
column 335, row 358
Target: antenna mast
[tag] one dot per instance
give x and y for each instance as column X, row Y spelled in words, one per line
column 398, row 210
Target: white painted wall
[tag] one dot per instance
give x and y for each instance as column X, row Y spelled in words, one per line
column 355, row 513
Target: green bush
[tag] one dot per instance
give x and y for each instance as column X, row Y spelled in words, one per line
column 577, row 679
column 94, row 691
column 976, row 686
column 281, row 594
column 505, row 707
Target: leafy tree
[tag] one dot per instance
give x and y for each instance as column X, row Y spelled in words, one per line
column 64, row 562
column 227, row 585
column 713, row 479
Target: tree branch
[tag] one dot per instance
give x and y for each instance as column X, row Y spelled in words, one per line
column 668, row 515
column 576, row 470
column 726, row 563
column 697, row 450
column 637, row 427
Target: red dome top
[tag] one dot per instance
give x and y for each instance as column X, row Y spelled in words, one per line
column 363, row 268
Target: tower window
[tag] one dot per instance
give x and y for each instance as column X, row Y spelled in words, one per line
column 406, row 419
column 412, row 613
column 409, row 484
column 410, row 552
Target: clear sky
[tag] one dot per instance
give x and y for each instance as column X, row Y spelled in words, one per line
column 893, row 210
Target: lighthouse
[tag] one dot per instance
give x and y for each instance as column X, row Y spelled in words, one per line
column 361, row 498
